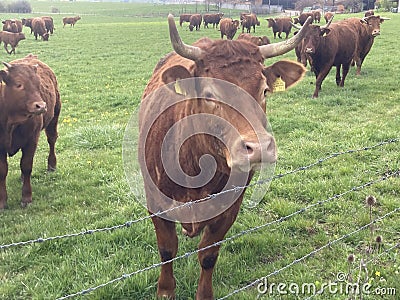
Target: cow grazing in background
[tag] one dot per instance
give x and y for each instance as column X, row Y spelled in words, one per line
column 330, row 46
column 70, row 20
column 213, row 19
column 39, row 29
column 27, row 23
column 303, row 17
column 242, row 65
column 316, row 16
column 49, row 24
column 195, row 22
column 280, row 25
column 14, row 26
column 367, row 29
column 256, row 40
column 29, row 102
column 328, row 15
column 184, row 18
column 228, row 27
column 12, row 39
column 369, row 13
column 249, row 21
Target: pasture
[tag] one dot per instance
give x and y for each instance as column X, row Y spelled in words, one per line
column 102, row 66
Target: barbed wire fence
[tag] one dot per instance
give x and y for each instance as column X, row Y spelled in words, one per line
column 189, row 203
column 298, row 260
column 375, row 258
column 242, row 233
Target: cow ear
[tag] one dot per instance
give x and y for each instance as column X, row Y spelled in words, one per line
column 283, row 75
column 3, row 75
column 174, row 74
column 324, row 31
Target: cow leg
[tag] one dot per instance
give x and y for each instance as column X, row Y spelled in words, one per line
column 26, row 171
column 213, row 233
column 5, row 47
column 52, row 135
column 346, row 68
column 3, row 176
column 338, row 78
column 167, row 242
column 320, row 78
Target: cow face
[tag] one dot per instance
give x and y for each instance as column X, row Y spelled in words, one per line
column 231, row 85
column 22, row 92
column 312, row 40
column 232, row 120
column 373, row 24
column 271, row 22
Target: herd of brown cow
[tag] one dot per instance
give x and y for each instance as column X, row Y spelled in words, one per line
column 30, row 102
column 40, row 27
column 324, row 47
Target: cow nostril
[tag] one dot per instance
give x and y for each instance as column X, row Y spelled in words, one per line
column 249, row 149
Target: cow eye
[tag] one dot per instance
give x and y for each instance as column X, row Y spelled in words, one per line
column 19, row 86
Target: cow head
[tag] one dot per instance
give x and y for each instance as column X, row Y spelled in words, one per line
column 313, row 38
column 271, row 22
column 21, row 92
column 373, row 24
column 241, row 65
column 315, row 33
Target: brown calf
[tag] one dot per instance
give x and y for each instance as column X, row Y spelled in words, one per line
column 70, row 20
column 12, row 39
column 29, row 102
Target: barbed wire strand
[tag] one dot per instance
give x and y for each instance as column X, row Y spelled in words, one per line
column 298, row 260
column 384, row 252
column 189, row 203
column 244, row 232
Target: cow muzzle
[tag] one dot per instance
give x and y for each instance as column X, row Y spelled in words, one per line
column 309, row 50
column 37, row 108
column 247, row 155
column 376, row 33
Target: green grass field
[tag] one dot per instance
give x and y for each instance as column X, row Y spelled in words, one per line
column 102, row 66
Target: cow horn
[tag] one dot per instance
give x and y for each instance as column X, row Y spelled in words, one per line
column 327, row 24
column 187, row 51
column 296, row 26
column 384, row 18
column 7, row 64
column 275, row 49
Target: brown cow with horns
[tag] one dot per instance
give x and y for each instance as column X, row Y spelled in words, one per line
column 186, row 120
column 29, row 102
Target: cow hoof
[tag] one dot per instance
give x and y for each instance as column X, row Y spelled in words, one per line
column 166, row 295
column 51, row 169
column 25, row 204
